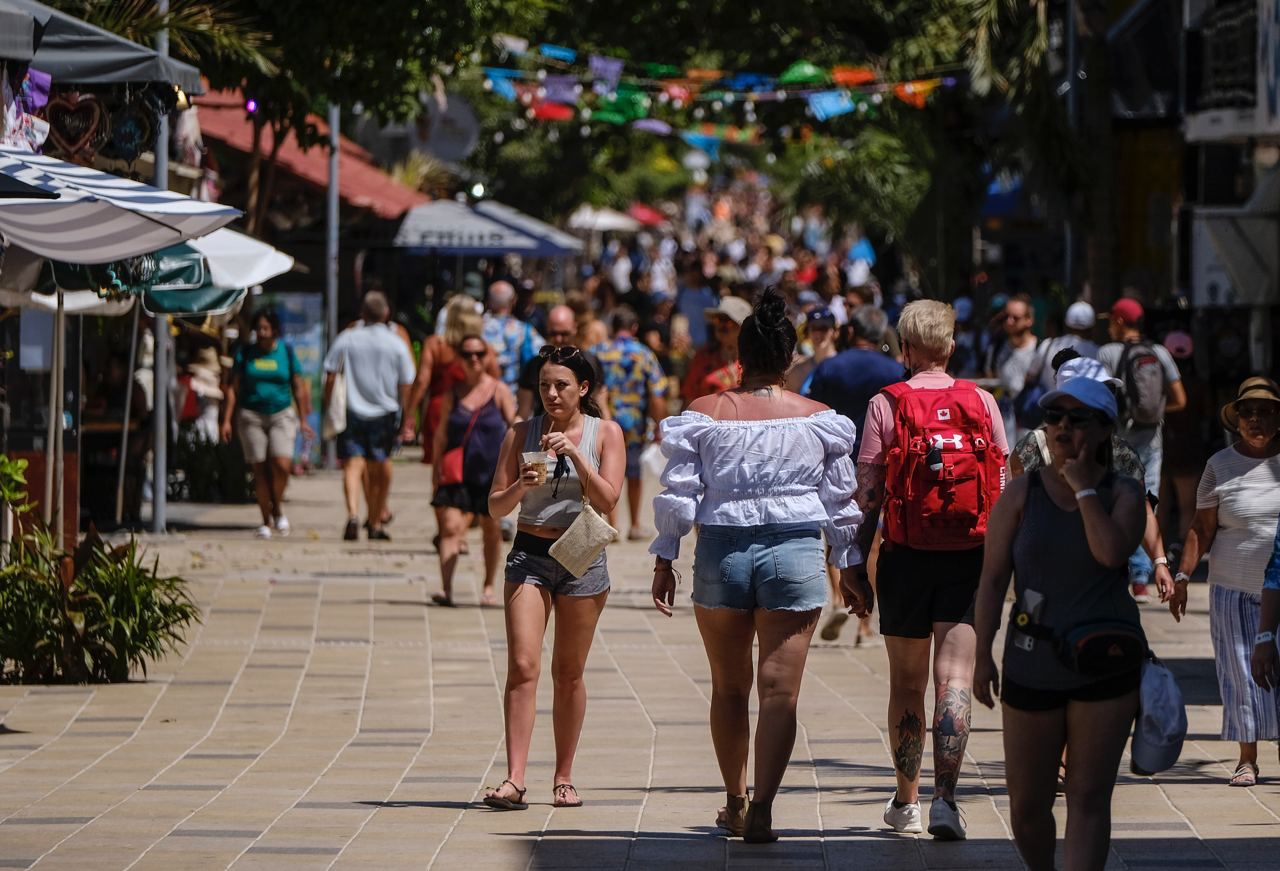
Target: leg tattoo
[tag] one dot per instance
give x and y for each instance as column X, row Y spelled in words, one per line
column 950, row 735
column 909, row 750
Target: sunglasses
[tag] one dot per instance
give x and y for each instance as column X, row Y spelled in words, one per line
column 1079, row 418
column 558, row 355
column 472, row 355
column 557, row 334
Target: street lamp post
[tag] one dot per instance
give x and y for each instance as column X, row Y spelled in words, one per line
column 160, row 395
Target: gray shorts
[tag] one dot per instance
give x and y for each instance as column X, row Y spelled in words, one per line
column 529, row 563
column 267, row 435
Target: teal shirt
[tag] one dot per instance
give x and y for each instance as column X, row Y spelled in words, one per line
column 266, row 377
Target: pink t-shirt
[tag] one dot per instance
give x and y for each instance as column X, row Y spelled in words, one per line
column 877, row 433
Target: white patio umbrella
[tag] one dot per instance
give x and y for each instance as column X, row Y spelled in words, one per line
column 587, row 217
column 97, row 218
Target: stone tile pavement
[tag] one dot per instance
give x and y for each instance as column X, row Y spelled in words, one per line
column 323, row 717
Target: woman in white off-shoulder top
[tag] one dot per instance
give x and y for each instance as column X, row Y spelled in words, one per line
column 764, row 473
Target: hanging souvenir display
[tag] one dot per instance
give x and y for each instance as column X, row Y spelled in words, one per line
column 132, row 130
column 78, row 126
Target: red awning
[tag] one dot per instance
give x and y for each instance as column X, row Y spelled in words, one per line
column 360, row 182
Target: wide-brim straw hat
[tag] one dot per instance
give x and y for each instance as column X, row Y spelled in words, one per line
column 1252, row 388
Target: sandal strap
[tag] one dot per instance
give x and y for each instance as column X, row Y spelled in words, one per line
column 516, row 788
column 560, row 786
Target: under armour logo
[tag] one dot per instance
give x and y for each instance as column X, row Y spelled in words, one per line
column 944, row 414
column 955, row 441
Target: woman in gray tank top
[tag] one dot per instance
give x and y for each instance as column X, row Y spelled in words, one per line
column 1064, row 533
column 589, row 461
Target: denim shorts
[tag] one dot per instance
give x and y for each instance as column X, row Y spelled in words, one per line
column 530, row 562
column 776, row 566
column 373, row 438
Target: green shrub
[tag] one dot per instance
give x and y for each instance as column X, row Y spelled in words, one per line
column 91, row 616
column 13, row 484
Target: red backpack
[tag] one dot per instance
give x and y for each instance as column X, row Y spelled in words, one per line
column 944, row 472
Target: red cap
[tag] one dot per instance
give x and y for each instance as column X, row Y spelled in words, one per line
column 1127, row 310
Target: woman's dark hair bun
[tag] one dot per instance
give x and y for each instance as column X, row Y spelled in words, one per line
column 768, row 338
column 770, row 309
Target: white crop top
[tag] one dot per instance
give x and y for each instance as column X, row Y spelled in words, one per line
column 752, row 472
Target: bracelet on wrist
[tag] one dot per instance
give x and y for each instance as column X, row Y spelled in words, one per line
column 1161, row 561
column 1264, row 638
column 1181, row 578
column 1087, row 491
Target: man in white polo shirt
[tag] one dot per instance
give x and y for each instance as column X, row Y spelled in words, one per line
column 378, row 371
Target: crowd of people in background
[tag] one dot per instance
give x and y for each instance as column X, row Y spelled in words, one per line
column 840, row 450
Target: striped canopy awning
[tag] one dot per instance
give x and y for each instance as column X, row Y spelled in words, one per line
column 97, row 217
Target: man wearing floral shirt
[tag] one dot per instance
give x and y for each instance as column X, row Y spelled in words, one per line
column 637, row 394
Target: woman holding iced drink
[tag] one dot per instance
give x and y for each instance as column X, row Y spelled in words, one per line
column 548, row 465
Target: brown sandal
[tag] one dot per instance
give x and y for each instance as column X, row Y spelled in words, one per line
column 493, row 798
column 733, row 816
column 561, row 794
column 1246, row 775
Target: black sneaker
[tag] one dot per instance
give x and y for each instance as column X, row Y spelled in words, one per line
column 378, row 535
column 352, row 531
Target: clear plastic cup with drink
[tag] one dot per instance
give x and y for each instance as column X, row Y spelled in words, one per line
column 539, row 460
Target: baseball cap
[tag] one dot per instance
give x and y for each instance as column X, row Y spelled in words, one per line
column 822, row 315
column 1080, row 316
column 809, row 297
column 1127, row 310
column 1084, row 367
column 1091, row 394
column 735, row 308
column 1179, row 344
column 1161, row 726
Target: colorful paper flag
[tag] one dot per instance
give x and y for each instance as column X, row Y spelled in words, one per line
column 829, row 104
column 561, row 89
column 561, row 53
column 606, row 71
column 552, row 112
column 851, row 77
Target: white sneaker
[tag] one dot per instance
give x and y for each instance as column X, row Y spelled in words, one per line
column 903, row 819
column 944, row 821
column 264, row 531
column 282, row 525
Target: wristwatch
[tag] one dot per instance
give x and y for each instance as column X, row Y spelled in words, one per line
column 1181, row 578
column 1161, row 561
column 1264, row 638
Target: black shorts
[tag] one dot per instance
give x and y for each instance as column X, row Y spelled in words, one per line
column 470, row 498
column 1025, row 698
column 917, row 588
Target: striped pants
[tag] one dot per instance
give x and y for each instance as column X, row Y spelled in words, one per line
column 1248, row 713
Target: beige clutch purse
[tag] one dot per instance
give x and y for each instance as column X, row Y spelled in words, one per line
column 584, row 540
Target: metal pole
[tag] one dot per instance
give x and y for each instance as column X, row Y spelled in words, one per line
column 59, row 465
column 51, row 433
column 128, row 410
column 331, row 253
column 160, row 395
column 1068, row 231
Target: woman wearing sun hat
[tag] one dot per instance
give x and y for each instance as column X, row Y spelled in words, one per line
column 1237, row 504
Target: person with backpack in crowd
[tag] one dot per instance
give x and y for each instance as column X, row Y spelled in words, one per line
column 932, row 461
column 1152, row 387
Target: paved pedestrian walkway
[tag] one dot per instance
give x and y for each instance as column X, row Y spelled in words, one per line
column 323, row 716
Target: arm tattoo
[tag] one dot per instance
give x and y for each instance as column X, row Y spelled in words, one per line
column 908, row 751
column 870, row 497
column 950, row 735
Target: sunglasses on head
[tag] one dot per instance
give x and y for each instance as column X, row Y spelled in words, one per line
column 558, row 355
column 1077, row 417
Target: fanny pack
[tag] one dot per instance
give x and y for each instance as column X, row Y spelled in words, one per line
column 1100, row 648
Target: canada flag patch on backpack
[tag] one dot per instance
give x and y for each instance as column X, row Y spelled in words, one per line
column 944, row 471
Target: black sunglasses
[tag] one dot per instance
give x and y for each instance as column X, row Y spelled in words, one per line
column 472, row 355
column 558, row 355
column 1079, row 418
